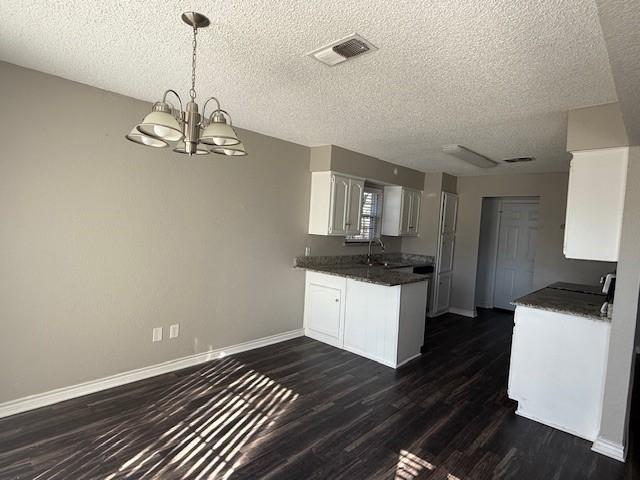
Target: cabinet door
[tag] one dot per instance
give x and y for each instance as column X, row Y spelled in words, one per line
column 405, row 212
column 449, row 212
column 595, row 202
column 414, row 212
column 443, row 292
column 356, row 190
column 371, row 321
column 445, row 259
column 339, row 203
column 323, row 310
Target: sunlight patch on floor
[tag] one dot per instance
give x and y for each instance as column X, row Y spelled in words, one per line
column 410, row 465
column 196, row 429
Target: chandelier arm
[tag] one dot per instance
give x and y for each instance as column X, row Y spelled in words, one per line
column 204, row 108
column 164, row 99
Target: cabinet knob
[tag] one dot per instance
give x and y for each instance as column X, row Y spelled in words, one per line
column 337, row 299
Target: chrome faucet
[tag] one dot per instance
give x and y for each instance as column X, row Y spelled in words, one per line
column 379, row 240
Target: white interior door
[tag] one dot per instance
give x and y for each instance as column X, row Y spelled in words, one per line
column 516, row 255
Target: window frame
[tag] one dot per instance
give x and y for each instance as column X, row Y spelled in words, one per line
column 353, row 239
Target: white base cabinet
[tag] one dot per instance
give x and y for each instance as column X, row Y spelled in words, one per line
column 384, row 324
column 557, row 371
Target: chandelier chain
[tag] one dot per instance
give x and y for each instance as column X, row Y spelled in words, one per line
column 192, row 92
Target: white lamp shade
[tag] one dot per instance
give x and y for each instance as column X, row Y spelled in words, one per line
column 142, row 139
column 182, row 149
column 233, row 150
column 219, row 133
column 161, row 125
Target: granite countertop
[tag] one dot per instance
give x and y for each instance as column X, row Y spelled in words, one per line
column 569, row 298
column 356, row 267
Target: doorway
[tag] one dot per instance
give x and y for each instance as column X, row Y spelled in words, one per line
column 506, row 251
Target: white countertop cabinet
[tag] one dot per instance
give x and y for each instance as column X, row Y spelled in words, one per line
column 557, row 371
column 384, row 324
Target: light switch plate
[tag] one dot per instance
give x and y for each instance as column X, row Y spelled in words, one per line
column 174, row 330
column 157, row 334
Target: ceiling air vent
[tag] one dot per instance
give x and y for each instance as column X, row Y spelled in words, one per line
column 519, row 159
column 342, row 50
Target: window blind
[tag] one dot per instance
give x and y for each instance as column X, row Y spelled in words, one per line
column 371, row 216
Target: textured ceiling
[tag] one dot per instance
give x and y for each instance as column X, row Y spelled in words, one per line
column 495, row 76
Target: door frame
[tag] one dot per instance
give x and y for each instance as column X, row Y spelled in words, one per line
column 494, row 259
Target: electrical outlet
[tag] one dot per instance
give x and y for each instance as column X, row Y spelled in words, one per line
column 157, row 334
column 174, row 330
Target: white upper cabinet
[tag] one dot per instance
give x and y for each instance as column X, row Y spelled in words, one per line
column 595, row 202
column 336, row 203
column 401, row 211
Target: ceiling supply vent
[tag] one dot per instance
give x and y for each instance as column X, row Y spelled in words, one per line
column 474, row 158
column 519, row 159
column 342, row 50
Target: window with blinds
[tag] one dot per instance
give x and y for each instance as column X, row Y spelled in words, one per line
column 371, row 218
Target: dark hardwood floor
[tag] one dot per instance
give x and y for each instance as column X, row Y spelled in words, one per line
column 304, row 410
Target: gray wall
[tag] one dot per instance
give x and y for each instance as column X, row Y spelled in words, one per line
column 550, row 264
column 620, row 363
column 102, row 239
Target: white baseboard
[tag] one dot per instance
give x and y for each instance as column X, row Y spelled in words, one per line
column 610, row 449
column 66, row 393
column 404, row 362
column 557, row 426
column 485, row 306
column 464, row 312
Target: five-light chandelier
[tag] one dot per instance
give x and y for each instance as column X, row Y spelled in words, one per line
column 194, row 133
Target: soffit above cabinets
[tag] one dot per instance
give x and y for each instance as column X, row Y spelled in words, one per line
column 338, row 159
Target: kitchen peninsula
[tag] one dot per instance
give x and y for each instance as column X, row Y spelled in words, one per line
column 558, row 357
column 374, row 307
